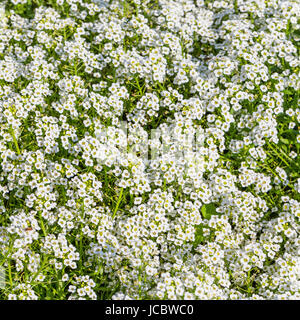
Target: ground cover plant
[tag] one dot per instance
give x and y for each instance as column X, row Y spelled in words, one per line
column 149, row 149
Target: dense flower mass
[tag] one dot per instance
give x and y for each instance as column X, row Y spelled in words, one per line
column 149, row 149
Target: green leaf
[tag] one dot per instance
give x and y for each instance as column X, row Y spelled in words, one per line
column 208, row 210
column 284, row 148
column 283, row 140
column 290, row 134
column 198, row 236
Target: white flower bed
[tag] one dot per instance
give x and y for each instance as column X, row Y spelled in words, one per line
column 149, row 149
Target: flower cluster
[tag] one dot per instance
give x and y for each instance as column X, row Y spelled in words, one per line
column 149, row 149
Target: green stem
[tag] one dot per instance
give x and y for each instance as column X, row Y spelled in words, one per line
column 42, row 225
column 118, row 203
column 278, row 154
column 9, row 273
column 139, row 87
column 165, row 185
column 15, row 140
